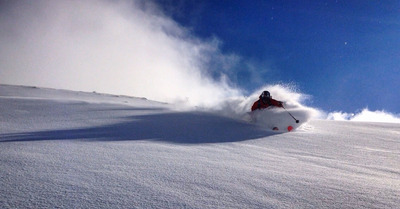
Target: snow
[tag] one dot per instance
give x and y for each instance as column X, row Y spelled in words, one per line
column 366, row 115
column 69, row 149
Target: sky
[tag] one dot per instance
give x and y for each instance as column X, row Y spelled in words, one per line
column 345, row 55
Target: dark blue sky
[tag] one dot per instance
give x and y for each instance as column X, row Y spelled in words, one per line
column 346, row 54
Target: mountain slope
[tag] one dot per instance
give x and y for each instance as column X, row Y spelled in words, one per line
column 74, row 149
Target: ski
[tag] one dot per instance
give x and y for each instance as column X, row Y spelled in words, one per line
column 289, row 128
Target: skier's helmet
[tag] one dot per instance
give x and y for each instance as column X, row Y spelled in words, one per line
column 265, row 95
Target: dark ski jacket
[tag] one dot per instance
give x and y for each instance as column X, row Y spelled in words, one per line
column 260, row 104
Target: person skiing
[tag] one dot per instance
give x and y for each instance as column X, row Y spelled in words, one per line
column 265, row 101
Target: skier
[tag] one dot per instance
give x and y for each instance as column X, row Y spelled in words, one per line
column 266, row 101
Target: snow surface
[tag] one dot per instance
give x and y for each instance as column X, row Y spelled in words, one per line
column 87, row 150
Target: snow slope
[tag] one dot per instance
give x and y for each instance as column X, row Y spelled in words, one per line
column 87, row 150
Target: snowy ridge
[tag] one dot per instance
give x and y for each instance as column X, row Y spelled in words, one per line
column 85, row 150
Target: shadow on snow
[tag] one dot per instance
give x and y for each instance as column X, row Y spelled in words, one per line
column 187, row 127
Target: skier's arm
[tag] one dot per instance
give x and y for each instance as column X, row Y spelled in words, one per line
column 255, row 106
column 277, row 103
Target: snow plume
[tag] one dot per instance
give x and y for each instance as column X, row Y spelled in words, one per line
column 119, row 47
column 293, row 101
column 366, row 116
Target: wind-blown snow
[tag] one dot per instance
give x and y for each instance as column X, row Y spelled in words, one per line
column 119, row 47
column 366, row 115
column 70, row 149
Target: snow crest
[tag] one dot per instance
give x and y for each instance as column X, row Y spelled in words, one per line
column 366, row 115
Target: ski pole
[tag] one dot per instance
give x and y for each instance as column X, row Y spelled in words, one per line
column 297, row 121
